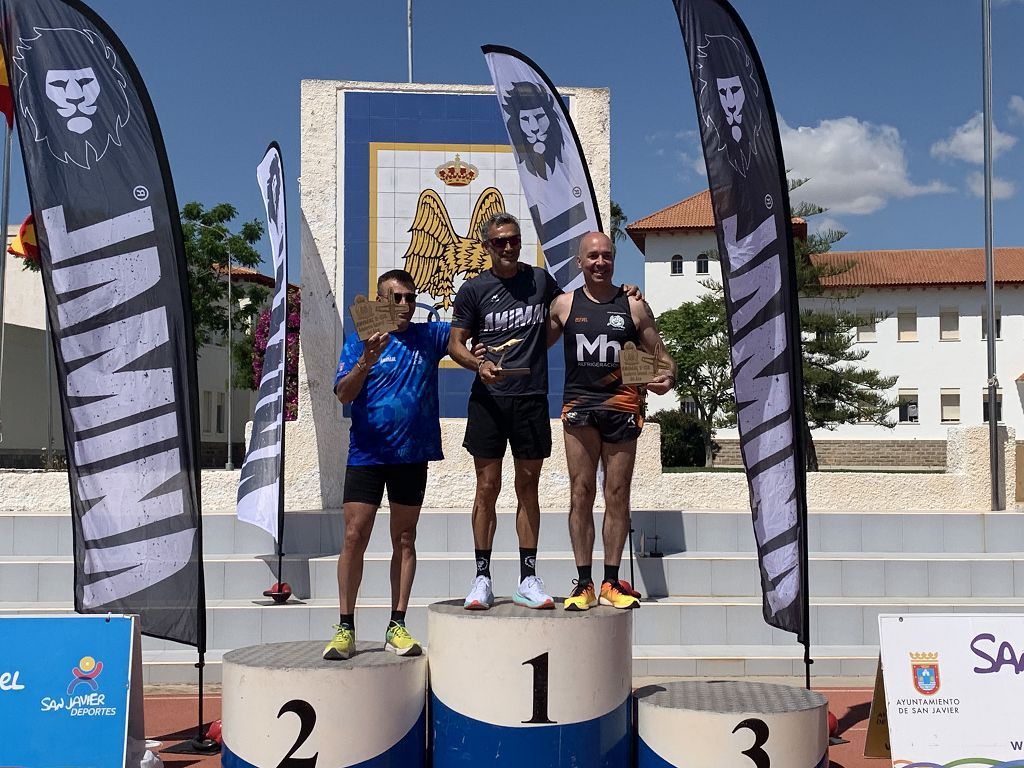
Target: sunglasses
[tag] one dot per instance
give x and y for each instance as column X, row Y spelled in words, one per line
column 499, row 243
column 408, row 298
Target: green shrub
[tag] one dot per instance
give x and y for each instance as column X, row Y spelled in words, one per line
column 682, row 439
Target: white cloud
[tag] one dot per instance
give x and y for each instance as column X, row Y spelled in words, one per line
column 1017, row 109
column 854, row 167
column 967, row 142
column 1002, row 189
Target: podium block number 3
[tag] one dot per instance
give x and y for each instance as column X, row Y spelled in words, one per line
column 307, row 719
column 759, row 728
column 540, row 689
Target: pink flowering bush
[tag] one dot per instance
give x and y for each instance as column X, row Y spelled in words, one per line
column 291, row 364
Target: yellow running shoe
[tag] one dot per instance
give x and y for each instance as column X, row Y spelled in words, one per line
column 400, row 642
column 342, row 645
column 615, row 597
column 582, row 597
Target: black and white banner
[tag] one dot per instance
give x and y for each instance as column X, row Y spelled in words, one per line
column 750, row 196
column 117, row 294
column 552, row 168
column 261, row 484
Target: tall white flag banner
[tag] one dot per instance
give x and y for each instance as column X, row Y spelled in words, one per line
column 552, row 169
column 261, row 483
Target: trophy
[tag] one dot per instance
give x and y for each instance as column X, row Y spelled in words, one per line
column 639, row 367
column 501, row 350
column 373, row 317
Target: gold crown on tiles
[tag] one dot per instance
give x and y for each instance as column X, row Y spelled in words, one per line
column 457, row 172
column 924, row 656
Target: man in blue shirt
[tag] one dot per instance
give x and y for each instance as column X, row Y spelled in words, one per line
column 391, row 383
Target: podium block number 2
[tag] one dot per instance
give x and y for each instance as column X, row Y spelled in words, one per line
column 759, row 728
column 307, row 719
column 540, row 689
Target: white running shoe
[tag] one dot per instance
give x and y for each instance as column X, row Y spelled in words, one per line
column 480, row 597
column 532, row 595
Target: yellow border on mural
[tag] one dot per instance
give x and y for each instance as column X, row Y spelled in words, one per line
column 375, row 147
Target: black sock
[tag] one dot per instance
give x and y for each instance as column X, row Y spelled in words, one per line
column 527, row 562
column 584, row 574
column 398, row 617
column 611, row 573
column 348, row 620
column 483, row 562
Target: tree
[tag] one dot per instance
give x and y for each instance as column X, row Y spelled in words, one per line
column 836, row 390
column 695, row 336
column 619, row 219
column 209, row 247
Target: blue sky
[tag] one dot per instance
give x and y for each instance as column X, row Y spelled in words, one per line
column 877, row 99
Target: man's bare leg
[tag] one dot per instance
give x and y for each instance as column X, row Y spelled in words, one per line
column 528, row 506
column 358, row 525
column 403, row 554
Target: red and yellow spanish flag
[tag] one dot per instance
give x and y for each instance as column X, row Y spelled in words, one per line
column 24, row 244
column 6, row 100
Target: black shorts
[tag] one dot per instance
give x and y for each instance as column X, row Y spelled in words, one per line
column 406, row 483
column 613, row 426
column 521, row 421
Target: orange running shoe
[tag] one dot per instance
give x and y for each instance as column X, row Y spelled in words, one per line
column 612, row 594
column 582, row 598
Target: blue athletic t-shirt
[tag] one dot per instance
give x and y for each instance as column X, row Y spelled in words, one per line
column 395, row 418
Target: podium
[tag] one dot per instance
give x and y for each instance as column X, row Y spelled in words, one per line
column 283, row 705
column 513, row 687
column 730, row 724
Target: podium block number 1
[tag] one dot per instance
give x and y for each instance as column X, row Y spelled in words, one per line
column 540, row 689
column 307, row 719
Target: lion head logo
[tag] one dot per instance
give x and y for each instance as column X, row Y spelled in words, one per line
column 534, row 127
column 729, row 109
column 273, row 190
column 85, row 105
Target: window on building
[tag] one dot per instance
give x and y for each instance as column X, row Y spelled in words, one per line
column 950, row 403
column 984, row 323
column 866, row 327
column 221, row 412
column 907, row 403
column 677, row 265
column 984, row 405
column 906, row 325
column 949, row 325
column 207, row 414
column 702, row 264
column 688, row 406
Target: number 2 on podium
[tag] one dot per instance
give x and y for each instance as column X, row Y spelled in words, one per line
column 540, row 689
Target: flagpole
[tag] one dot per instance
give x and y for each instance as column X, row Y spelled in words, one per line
column 230, row 464
column 990, row 289
column 4, row 215
column 409, row 31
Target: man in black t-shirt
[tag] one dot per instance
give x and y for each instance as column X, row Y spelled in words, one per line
column 506, row 305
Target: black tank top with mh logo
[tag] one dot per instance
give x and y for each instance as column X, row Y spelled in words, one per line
column 593, row 335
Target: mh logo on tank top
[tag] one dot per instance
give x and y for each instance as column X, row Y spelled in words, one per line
column 599, row 351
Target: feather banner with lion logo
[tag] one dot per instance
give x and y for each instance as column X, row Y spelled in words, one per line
column 113, row 267
column 750, row 197
column 552, row 167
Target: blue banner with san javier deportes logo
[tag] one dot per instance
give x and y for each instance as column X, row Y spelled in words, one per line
column 64, row 688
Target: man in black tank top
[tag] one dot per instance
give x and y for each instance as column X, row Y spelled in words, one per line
column 601, row 416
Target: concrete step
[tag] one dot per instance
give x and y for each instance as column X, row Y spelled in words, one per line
column 666, row 622
column 319, row 532
column 449, row 574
